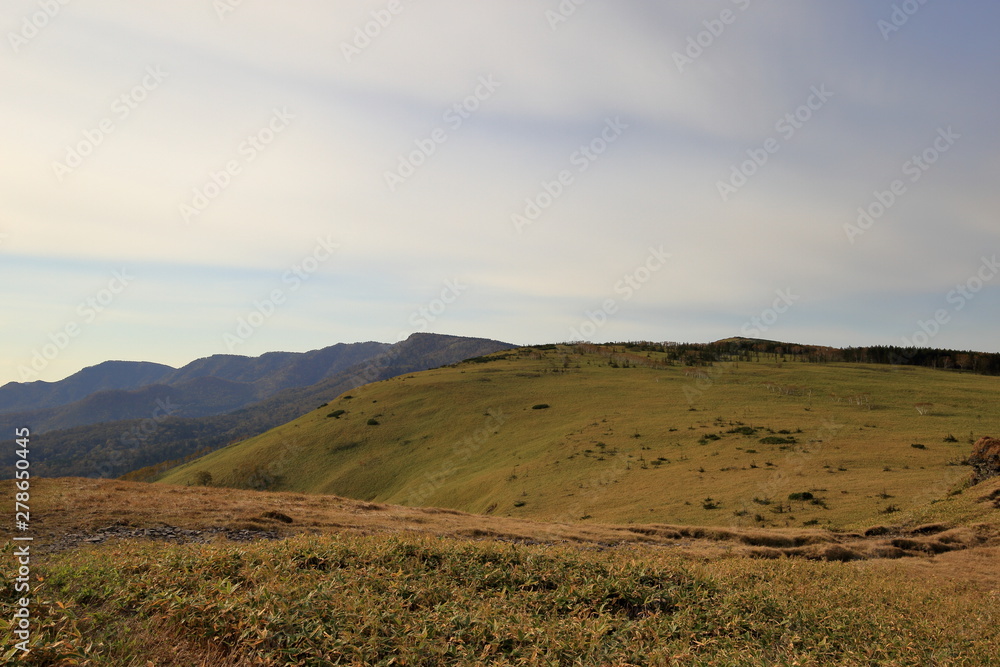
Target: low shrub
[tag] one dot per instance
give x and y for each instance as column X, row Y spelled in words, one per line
column 778, row 440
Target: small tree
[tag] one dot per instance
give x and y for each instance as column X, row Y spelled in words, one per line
column 203, row 478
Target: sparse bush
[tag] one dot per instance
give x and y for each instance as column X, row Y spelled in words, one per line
column 801, row 495
column 336, row 414
column 540, row 406
column 777, row 440
column 950, row 438
column 917, row 445
column 372, row 422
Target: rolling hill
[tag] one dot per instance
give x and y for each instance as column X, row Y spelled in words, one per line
column 626, row 434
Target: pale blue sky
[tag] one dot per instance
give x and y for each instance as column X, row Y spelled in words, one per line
column 439, row 250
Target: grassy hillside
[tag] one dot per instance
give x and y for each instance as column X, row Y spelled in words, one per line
column 627, row 438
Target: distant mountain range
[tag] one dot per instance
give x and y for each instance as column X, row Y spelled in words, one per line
column 116, row 390
column 111, row 418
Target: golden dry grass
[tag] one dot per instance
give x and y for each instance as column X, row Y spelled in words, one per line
column 136, row 602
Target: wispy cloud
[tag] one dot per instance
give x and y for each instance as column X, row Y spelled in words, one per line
column 324, row 174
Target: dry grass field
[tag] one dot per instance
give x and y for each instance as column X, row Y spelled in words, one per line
column 358, row 583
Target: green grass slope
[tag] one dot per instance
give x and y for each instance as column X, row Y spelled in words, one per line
column 626, row 437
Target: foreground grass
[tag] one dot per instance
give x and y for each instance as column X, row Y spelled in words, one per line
column 416, row 600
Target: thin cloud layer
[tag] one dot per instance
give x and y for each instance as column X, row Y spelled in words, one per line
column 332, row 170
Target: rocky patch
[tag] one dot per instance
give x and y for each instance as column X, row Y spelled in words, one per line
column 161, row 533
column 985, row 458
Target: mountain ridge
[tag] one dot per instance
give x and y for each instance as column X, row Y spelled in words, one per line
column 247, row 379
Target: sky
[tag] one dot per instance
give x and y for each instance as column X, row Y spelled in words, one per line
column 239, row 176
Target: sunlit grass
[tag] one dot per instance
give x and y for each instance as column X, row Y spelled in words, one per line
column 396, row 599
column 635, row 444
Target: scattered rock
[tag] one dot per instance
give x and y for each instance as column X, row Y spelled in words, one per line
column 162, row 533
column 985, row 459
